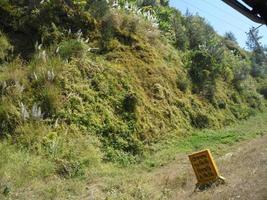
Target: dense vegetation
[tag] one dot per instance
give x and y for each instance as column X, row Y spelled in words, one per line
column 88, row 82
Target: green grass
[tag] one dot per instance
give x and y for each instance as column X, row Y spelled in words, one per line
column 219, row 141
column 18, row 168
column 23, row 173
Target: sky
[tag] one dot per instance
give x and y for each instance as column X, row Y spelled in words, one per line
column 222, row 17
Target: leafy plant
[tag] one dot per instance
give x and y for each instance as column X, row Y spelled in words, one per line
column 5, row 47
column 203, row 72
column 263, row 91
column 72, row 48
column 182, row 83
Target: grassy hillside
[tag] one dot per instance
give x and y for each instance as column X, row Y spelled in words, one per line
column 86, row 83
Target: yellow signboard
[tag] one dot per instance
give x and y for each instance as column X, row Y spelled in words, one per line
column 204, row 167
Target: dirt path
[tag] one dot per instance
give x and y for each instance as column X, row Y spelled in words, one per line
column 244, row 167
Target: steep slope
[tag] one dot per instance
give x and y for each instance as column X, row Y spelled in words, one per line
column 86, row 83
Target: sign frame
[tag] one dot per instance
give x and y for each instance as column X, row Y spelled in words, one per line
column 207, row 174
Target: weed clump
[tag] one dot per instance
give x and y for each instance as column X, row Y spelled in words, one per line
column 130, row 102
column 10, row 117
column 182, row 83
column 200, row 121
column 72, row 48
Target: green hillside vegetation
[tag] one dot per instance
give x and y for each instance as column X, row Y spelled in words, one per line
column 86, row 83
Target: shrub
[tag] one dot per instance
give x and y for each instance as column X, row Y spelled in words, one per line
column 258, row 70
column 164, row 15
column 221, row 104
column 148, row 3
column 239, row 78
column 230, row 36
column 50, row 101
column 69, row 169
column 241, row 112
column 73, row 159
column 203, row 72
column 125, row 26
column 234, row 48
column 181, row 39
column 4, row 47
column 120, row 157
column 130, row 102
column 203, row 67
column 254, row 101
column 263, row 91
column 182, row 83
column 164, row 2
column 209, row 92
column 9, row 117
column 158, row 91
column 235, row 98
column 228, row 75
column 98, row 8
column 241, row 72
column 200, row 120
column 47, row 22
column 71, row 48
column 120, row 139
column 198, row 31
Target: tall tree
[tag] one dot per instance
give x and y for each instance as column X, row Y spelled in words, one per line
column 253, row 41
column 258, row 57
column 230, row 36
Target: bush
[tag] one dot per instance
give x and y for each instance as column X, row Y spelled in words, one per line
column 120, row 157
column 4, row 47
column 182, row 83
column 130, row 102
column 9, row 117
column 203, row 67
column 164, row 15
column 230, row 36
column 200, row 120
column 164, row 2
column 73, row 159
column 221, row 104
column 72, row 48
column 47, row 22
column 239, row 78
column 233, row 47
column 198, row 31
column 120, row 139
column 203, row 72
column 158, row 91
column 148, row 3
column 241, row 112
column 50, row 101
column 241, row 73
column 125, row 26
column 228, row 75
column 181, row 39
column 263, row 91
column 254, row 101
column 209, row 91
column 258, row 70
column 98, row 8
